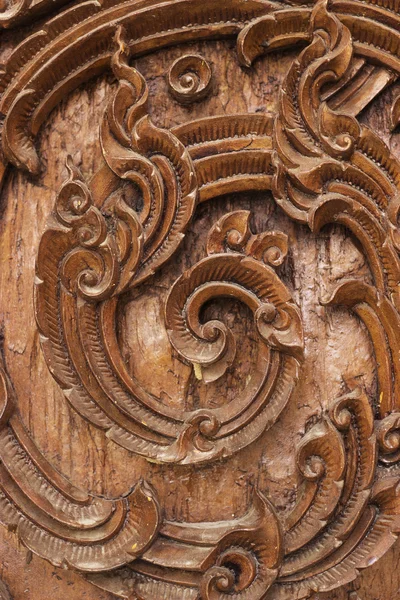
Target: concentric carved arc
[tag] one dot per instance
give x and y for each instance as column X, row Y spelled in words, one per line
column 60, row 522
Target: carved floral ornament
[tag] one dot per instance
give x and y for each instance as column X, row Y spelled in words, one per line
column 322, row 166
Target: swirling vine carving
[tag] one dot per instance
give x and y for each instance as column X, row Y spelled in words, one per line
column 89, row 256
column 322, row 166
column 277, row 319
column 58, row 521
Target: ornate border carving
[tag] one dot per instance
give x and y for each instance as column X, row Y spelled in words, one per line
column 322, row 166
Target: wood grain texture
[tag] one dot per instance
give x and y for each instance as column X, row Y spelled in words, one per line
column 339, row 354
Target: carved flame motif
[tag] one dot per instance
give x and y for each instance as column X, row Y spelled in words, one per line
column 322, row 167
column 88, row 257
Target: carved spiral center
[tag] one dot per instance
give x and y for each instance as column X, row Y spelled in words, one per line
column 189, row 78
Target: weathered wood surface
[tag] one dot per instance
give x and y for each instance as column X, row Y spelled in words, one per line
column 339, row 353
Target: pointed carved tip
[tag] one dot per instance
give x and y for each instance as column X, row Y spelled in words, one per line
column 231, row 231
column 119, row 61
column 120, row 39
column 17, row 144
column 74, row 173
column 143, row 491
column 70, row 165
column 32, row 163
column 248, row 47
column 146, row 515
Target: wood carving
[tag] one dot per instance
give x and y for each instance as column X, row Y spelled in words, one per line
column 108, row 236
column 190, row 78
column 60, row 522
column 22, row 11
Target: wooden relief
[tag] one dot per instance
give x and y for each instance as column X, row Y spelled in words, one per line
column 110, row 237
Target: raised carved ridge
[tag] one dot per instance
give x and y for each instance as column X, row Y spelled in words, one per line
column 29, row 92
column 58, row 521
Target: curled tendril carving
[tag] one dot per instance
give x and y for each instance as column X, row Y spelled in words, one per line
column 104, row 249
column 58, row 521
column 388, row 436
column 234, row 274
column 246, row 560
column 190, row 78
column 96, row 247
column 331, row 169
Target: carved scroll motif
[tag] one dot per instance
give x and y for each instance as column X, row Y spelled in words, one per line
column 56, row 520
column 322, row 167
column 342, row 520
column 88, row 257
column 330, row 169
column 190, row 78
column 46, row 65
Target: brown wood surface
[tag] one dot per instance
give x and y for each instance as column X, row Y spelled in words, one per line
column 339, row 355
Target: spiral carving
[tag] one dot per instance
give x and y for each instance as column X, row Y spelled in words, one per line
column 234, row 573
column 388, row 436
column 242, row 275
column 96, row 244
column 90, row 254
column 246, row 560
column 322, row 166
column 190, row 78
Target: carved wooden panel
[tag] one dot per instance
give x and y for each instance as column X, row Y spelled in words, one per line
column 200, row 300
